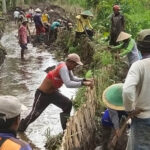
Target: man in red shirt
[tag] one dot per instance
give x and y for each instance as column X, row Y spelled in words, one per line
column 48, row 92
column 22, row 34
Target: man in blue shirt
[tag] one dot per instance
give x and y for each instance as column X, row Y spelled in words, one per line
column 54, row 29
column 112, row 98
column 40, row 30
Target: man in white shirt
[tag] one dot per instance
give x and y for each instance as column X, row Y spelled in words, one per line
column 136, row 97
column 16, row 15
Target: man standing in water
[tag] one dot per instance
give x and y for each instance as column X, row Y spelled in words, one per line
column 48, row 92
column 16, row 15
column 22, row 34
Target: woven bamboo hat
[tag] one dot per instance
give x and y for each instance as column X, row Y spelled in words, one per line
column 87, row 13
column 24, row 20
column 38, row 10
column 123, row 36
column 112, row 97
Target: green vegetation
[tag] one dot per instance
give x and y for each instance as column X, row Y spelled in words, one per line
column 137, row 16
column 100, row 63
column 53, row 142
column 105, row 66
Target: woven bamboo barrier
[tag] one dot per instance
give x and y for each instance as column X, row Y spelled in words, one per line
column 80, row 131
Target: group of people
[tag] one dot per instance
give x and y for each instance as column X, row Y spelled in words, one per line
column 44, row 28
column 47, row 93
column 131, row 98
column 123, row 100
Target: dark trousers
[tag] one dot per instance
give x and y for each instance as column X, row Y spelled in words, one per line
column 108, row 134
column 23, row 48
column 41, row 101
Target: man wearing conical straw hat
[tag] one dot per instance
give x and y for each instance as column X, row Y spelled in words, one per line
column 83, row 24
column 128, row 47
column 112, row 98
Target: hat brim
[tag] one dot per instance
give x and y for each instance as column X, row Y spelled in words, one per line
column 86, row 13
column 108, row 104
column 24, row 21
column 80, row 63
column 123, row 36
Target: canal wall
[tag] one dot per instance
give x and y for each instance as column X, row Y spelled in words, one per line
column 81, row 128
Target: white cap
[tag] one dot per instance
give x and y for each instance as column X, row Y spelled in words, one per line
column 10, row 106
column 75, row 57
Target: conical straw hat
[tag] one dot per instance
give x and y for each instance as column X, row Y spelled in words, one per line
column 123, row 36
column 112, row 97
column 87, row 13
column 38, row 10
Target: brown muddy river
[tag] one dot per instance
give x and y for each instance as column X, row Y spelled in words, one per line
column 22, row 78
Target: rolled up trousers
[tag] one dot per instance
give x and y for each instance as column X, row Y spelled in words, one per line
column 41, row 101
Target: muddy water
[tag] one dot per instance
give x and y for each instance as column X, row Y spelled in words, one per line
column 22, row 78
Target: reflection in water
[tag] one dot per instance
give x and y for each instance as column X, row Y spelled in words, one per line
column 22, row 78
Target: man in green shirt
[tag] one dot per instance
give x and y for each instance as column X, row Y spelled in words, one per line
column 128, row 47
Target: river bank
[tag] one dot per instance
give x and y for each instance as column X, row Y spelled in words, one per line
column 104, row 66
column 22, row 78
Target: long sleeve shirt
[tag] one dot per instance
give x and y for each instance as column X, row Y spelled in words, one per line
column 112, row 118
column 130, row 50
column 82, row 24
column 136, row 89
column 37, row 19
column 69, row 79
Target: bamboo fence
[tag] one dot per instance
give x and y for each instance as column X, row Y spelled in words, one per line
column 80, row 131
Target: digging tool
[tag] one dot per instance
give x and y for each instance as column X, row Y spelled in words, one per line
column 121, row 130
column 115, row 138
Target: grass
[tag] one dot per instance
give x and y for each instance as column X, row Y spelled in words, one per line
column 53, row 142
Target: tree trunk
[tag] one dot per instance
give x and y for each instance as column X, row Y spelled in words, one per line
column 20, row 3
column 4, row 6
column 12, row 3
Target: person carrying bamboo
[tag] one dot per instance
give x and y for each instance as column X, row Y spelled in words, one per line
column 113, row 117
column 83, row 24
